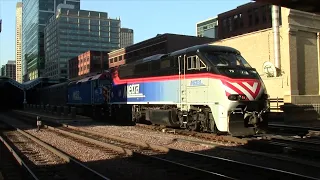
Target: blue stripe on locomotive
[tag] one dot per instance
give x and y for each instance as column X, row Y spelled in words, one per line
column 80, row 93
column 163, row 91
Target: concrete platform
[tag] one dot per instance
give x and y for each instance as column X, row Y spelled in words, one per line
column 54, row 118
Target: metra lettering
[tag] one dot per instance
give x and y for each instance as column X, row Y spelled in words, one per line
column 133, row 88
column 196, row 83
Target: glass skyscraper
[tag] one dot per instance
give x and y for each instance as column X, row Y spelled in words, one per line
column 35, row 15
column 208, row 28
column 72, row 32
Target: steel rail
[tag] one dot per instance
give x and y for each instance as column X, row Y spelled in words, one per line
column 18, row 158
column 255, row 166
column 57, row 152
column 144, row 144
column 293, row 127
column 132, row 153
column 191, row 153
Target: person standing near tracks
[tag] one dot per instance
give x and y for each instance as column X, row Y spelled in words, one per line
column 38, row 123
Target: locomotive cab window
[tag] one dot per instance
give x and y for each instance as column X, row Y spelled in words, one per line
column 194, row 62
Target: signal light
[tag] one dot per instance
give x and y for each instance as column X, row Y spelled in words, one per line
column 237, row 97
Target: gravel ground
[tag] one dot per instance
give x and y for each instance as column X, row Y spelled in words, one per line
column 110, row 165
column 35, row 153
column 150, row 136
column 165, row 139
column 82, row 152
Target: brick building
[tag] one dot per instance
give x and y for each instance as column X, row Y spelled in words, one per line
column 73, row 67
column 161, row 44
column 244, row 19
column 88, row 62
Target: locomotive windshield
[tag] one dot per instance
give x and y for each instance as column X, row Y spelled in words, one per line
column 226, row 59
column 231, row 64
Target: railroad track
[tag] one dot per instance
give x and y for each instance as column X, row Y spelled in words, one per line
column 263, row 143
column 143, row 159
column 199, row 164
column 11, row 165
column 42, row 161
column 216, row 164
column 298, row 147
column 293, row 130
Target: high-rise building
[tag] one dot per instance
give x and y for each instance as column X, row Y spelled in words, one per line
column 208, row 28
column 18, row 41
column 126, row 37
column 9, row 70
column 2, row 70
column 72, row 32
column 35, row 14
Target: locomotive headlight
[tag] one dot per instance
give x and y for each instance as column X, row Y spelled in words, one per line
column 237, row 97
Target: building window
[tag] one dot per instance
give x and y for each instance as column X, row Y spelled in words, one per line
column 250, row 18
column 240, row 20
column 235, row 22
column 230, row 24
column 224, row 25
column 256, row 16
column 264, row 14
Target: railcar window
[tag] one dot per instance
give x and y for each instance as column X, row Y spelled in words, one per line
column 155, row 65
column 165, row 63
column 140, row 68
column 194, row 62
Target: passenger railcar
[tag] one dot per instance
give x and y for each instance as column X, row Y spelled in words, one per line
column 54, row 94
column 204, row 87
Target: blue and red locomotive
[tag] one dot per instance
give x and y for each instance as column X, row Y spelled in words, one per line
column 202, row 88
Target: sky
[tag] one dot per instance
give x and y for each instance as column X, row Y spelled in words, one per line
column 146, row 17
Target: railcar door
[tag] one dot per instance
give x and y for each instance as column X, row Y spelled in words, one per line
column 183, row 83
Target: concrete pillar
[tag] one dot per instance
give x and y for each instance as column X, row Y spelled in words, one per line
column 65, row 110
column 47, row 108
column 293, row 61
column 53, row 108
column 318, row 49
column 59, row 110
column 24, row 98
column 73, row 112
column 42, row 108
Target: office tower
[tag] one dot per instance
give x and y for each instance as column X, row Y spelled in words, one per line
column 18, row 41
column 72, row 32
column 35, row 14
column 126, row 37
column 208, row 28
